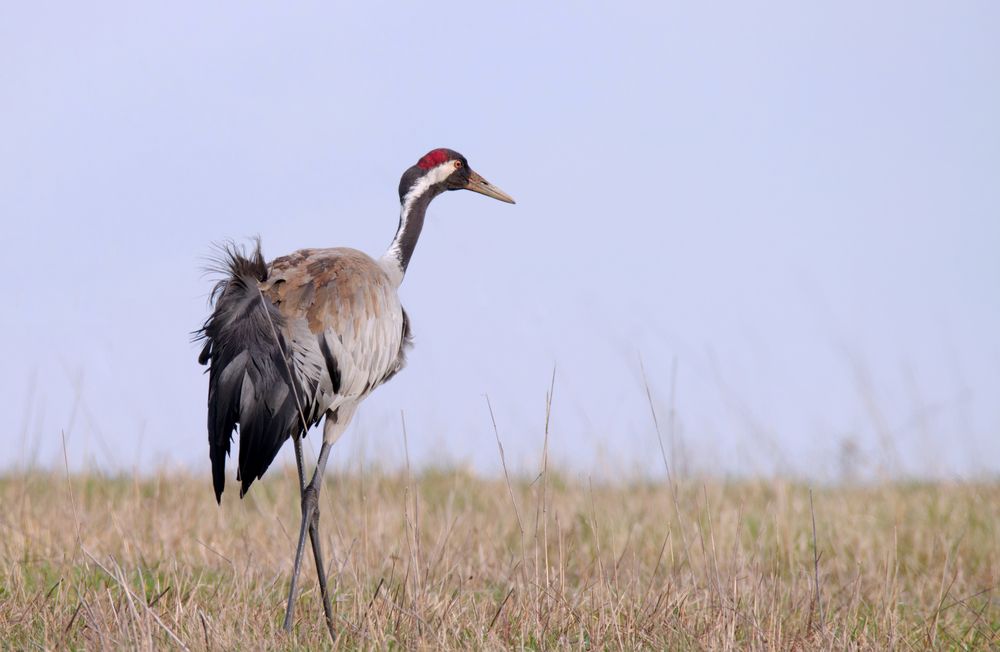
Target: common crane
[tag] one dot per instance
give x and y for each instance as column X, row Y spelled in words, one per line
column 308, row 337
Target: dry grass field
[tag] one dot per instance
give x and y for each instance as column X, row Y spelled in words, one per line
column 447, row 560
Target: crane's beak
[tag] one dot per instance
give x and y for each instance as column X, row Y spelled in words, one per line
column 483, row 187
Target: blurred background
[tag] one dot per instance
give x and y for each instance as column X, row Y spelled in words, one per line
column 784, row 217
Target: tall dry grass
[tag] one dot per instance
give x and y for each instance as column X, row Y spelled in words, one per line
column 449, row 560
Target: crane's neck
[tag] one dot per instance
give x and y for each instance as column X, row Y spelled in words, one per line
column 412, row 210
column 411, row 222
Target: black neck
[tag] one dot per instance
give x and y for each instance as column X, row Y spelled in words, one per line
column 411, row 222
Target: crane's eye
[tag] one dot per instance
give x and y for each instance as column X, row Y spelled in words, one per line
column 458, row 164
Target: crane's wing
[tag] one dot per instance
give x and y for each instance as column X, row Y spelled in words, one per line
column 343, row 321
column 285, row 343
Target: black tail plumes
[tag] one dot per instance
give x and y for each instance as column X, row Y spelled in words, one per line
column 249, row 382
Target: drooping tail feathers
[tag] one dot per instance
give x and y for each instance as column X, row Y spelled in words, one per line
column 248, row 376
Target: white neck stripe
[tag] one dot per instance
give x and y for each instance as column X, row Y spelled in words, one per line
column 391, row 260
column 434, row 176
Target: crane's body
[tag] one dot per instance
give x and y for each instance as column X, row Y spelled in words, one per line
column 310, row 335
column 307, row 338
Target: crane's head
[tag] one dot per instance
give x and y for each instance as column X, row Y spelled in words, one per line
column 445, row 169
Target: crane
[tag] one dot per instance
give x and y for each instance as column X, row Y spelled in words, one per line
column 307, row 338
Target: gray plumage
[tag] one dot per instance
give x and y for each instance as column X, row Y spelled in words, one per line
column 312, row 333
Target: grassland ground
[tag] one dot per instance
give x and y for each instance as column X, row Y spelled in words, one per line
column 448, row 560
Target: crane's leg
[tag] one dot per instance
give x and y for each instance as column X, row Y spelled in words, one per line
column 314, row 539
column 310, row 523
column 321, row 574
column 300, row 463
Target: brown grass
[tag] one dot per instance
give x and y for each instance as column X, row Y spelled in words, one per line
column 445, row 561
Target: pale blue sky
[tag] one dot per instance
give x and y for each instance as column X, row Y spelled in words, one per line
column 800, row 204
